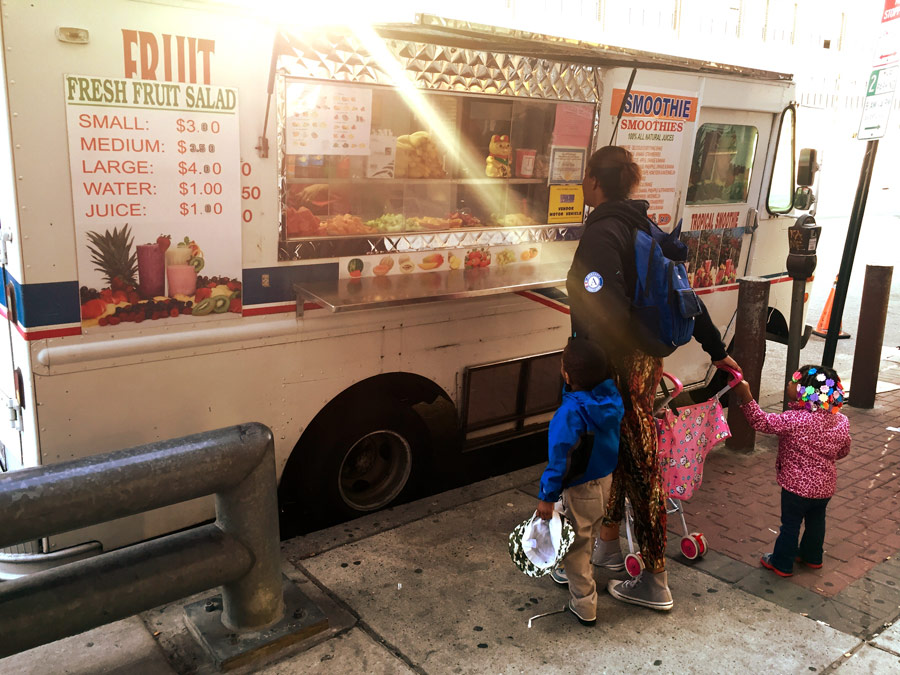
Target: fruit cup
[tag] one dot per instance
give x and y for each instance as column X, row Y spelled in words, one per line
column 151, row 270
column 182, row 279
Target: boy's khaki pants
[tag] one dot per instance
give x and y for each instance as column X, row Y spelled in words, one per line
column 584, row 505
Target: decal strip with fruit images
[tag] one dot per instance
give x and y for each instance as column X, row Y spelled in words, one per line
column 380, row 265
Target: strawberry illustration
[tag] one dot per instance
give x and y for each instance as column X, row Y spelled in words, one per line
column 164, row 241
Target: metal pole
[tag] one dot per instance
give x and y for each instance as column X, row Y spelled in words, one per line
column 749, row 352
column 53, row 604
column 843, row 282
column 869, row 336
column 795, row 332
column 249, row 512
column 47, row 500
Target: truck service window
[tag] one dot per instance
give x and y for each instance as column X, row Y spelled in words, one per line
column 368, row 162
column 722, row 164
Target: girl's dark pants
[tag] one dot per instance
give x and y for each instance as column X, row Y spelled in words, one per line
column 794, row 511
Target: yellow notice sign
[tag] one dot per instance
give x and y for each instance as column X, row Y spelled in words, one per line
column 566, row 204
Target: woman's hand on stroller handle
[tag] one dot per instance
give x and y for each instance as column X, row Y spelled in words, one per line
column 730, row 366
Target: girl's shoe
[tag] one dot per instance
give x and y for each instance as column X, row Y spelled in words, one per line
column 809, row 564
column 766, row 561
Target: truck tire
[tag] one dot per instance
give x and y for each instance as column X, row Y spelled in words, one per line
column 373, row 459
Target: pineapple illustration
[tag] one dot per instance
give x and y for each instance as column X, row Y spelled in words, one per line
column 113, row 255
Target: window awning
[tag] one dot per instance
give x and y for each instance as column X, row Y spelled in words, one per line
column 467, row 35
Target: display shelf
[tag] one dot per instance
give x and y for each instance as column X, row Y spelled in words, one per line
column 348, row 295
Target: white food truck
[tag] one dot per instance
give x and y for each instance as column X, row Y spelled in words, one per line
column 357, row 236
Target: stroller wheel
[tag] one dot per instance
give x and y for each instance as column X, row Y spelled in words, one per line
column 690, row 547
column 634, row 564
column 704, row 545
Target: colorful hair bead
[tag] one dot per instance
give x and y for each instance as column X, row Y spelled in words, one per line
column 819, row 388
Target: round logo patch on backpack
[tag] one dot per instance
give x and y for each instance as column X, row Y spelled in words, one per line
column 593, row 282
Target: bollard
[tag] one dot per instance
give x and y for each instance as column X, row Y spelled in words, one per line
column 749, row 352
column 870, row 335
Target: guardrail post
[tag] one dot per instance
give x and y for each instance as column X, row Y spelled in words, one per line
column 869, row 336
column 249, row 512
column 749, row 352
column 257, row 613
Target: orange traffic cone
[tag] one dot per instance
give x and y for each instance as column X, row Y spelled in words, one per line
column 822, row 327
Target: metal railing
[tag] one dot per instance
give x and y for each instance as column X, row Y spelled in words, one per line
column 239, row 552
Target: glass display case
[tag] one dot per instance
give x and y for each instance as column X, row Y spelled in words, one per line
column 370, row 168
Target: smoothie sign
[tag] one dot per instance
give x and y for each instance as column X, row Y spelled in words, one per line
column 654, row 127
column 156, row 196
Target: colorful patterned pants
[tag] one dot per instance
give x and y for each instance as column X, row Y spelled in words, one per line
column 637, row 474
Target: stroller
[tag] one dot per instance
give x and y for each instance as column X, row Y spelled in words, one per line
column 686, row 435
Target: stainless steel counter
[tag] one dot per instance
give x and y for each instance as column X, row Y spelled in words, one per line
column 348, row 295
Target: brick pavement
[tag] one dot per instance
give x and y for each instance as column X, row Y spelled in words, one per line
column 738, row 505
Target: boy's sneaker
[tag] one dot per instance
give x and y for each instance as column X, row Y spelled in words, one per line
column 766, row 561
column 559, row 576
column 608, row 554
column 582, row 618
column 648, row 590
column 815, row 566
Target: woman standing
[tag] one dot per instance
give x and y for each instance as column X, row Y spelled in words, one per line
column 600, row 286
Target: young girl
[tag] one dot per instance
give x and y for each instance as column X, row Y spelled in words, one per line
column 812, row 434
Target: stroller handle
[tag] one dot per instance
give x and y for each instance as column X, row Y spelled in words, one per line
column 735, row 380
column 677, row 388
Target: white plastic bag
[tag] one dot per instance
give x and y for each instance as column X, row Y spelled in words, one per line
column 536, row 545
column 540, row 540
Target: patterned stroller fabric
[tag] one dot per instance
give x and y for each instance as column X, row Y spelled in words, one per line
column 685, row 438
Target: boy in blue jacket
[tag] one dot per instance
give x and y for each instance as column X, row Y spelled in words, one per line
column 583, row 451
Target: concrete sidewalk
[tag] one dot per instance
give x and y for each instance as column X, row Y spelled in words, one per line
column 429, row 588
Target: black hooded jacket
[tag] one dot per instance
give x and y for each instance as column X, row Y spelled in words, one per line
column 606, row 250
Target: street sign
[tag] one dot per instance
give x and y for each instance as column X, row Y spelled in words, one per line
column 883, row 79
column 877, row 108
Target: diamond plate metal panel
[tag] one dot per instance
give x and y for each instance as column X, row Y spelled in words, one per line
column 344, row 58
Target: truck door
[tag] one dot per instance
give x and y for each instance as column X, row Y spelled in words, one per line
column 11, row 391
column 726, row 181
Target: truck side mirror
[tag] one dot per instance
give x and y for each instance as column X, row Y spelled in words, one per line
column 807, row 166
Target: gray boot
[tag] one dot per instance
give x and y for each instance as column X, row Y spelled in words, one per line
column 608, row 554
column 648, row 590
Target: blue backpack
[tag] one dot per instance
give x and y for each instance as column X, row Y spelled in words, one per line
column 664, row 304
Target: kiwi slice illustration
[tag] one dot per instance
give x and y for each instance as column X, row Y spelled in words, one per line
column 203, row 307
column 221, row 303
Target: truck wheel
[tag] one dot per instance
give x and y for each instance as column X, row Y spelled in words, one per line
column 374, row 470
column 376, row 458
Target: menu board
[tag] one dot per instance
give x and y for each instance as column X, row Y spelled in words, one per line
column 324, row 119
column 655, row 126
column 156, row 195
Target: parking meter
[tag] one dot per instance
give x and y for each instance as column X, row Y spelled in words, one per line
column 803, row 239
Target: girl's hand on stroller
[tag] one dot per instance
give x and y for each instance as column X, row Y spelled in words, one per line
column 743, row 392
column 544, row 510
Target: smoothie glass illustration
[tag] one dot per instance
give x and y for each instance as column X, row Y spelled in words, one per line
column 182, row 279
column 151, row 270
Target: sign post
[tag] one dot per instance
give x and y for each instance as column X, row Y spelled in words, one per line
column 879, row 95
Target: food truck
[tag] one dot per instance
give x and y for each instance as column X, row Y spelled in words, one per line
column 358, row 236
